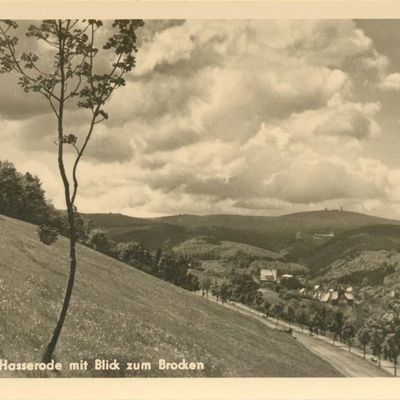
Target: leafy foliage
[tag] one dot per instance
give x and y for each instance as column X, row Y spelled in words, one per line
column 47, row 234
column 99, row 241
column 21, row 195
column 348, row 333
column 243, row 287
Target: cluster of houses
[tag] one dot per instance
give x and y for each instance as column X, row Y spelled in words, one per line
column 335, row 297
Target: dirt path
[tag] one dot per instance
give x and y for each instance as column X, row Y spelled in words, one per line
column 348, row 364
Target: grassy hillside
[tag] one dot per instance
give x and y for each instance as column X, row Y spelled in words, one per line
column 272, row 233
column 120, row 312
column 204, row 248
column 351, row 243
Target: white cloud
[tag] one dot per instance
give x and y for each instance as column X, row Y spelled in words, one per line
column 231, row 116
column 391, row 82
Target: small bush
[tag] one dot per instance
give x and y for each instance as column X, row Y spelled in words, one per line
column 47, row 234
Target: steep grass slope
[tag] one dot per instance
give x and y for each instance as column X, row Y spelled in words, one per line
column 120, row 312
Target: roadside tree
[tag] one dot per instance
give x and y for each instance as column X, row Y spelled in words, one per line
column 267, row 308
column 376, row 342
column 277, row 311
column 290, row 314
column 391, row 349
column 348, row 333
column 364, row 337
column 301, row 318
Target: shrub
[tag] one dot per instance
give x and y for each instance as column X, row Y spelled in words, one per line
column 47, row 234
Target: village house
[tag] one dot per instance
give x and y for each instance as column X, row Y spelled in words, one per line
column 268, row 275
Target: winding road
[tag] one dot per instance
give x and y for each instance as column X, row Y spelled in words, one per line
column 349, row 364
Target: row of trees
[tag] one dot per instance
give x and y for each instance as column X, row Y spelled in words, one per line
column 379, row 333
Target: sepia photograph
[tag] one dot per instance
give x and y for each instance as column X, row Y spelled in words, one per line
column 199, row 198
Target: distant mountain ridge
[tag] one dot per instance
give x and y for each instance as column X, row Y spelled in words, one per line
column 272, row 233
column 309, row 220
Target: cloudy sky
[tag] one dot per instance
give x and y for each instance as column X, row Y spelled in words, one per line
column 244, row 117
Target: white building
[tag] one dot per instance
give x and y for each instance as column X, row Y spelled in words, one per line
column 268, row 275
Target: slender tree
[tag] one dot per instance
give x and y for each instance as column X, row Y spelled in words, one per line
column 290, row 315
column 348, row 333
column 75, row 76
column 391, row 349
column 267, row 308
column 316, row 323
column 364, row 337
column 302, row 319
column 205, row 283
column 276, row 311
column 332, row 328
column 376, row 342
column 338, row 324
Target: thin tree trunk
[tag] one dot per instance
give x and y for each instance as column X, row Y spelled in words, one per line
column 48, row 355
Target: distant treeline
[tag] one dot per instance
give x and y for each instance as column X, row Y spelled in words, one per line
column 22, row 197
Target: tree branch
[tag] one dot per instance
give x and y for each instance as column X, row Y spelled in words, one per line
column 17, row 67
column 80, row 154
